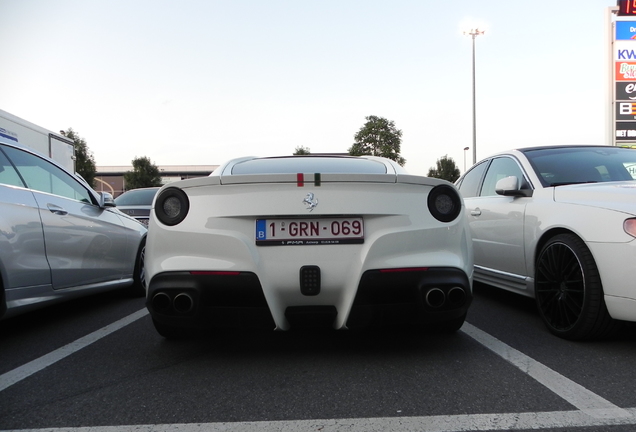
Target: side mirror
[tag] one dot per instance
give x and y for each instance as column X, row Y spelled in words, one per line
column 509, row 186
column 106, row 200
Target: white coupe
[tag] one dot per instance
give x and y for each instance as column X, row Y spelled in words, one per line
column 559, row 224
column 308, row 241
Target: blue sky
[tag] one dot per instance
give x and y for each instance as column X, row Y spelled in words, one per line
column 198, row 82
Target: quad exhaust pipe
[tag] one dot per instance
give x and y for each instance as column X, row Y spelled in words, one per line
column 436, row 297
column 182, row 303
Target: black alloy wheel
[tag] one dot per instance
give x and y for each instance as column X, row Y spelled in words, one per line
column 568, row 290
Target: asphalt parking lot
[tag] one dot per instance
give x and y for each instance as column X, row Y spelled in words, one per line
column 98, row 363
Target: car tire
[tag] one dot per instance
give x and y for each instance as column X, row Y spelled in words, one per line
column 138, row 288
column 569, row 292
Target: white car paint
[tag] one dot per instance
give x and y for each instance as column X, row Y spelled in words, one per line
column 218, row 233
column 508, row 231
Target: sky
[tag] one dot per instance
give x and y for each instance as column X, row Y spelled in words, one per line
column 198, row 82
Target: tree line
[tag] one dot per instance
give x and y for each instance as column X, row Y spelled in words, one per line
column 377, row 137
column 144, row 173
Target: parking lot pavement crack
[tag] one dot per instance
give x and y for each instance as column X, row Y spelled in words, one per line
column 577, row 395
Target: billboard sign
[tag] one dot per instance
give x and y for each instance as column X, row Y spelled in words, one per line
column 625, row 91
column 623, row 57
column 625, row 30
column 626, row 131
column 625, row 71
column 625, row 110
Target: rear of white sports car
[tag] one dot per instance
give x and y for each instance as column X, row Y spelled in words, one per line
column 290, row 242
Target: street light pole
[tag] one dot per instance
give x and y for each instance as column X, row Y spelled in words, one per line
column 465, row 148
column 474, row 33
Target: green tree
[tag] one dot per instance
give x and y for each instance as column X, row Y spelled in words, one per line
column 301, row 150
column 144, row 174
column 84, row 161
column 378, row 137
column 446, row 169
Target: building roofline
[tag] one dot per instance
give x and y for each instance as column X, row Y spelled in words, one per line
column 164, row 169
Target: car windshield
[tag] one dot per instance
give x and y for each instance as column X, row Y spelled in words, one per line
column 309, row 164
column 136, row 197
column 584, row 164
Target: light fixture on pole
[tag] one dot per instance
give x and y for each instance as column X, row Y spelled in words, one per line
column 465, row 148
column 474, row 33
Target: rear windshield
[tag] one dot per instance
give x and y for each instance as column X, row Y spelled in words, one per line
column 309, row 164
column 136, row 197
column 569, row 165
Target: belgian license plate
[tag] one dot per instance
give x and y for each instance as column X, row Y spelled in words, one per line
column 322, row 231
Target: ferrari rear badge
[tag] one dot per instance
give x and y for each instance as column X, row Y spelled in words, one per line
column 310, row 201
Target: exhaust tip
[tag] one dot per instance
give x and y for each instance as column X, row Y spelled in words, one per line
column 183, row 303
column 435, row 298
column 161, row 302
column 456, row 296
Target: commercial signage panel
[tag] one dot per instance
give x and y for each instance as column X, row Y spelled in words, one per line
column 625, row 91
column 625, row 110
column 625, row 71
column 625, row 50
column 625, row 30
column 625, row 131
column 626, row 7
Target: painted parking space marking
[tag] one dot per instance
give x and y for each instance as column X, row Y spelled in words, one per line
column 591, row 409
column 454, row 423
column 577, row 395
column 28, row 369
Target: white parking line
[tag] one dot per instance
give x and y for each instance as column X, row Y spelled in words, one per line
column 25, row 371
column 455, row 423
column 592, row 410
column 577, row 395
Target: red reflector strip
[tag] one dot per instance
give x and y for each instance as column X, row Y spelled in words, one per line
column 403, row 270
column 215, row 273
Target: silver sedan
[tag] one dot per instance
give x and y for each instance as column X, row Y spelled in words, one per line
column 59, row 239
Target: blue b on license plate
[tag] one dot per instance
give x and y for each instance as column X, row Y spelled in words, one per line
column 319, row 231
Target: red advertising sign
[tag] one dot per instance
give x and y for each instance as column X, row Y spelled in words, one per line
column 625, row 71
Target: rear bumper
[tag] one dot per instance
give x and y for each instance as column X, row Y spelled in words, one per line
column 384, row 298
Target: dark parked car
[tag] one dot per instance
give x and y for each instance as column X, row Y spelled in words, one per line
column 137, row 203
column 59, row 239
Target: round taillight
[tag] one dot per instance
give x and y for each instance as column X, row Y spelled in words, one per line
column 630, row 226
column 444, row 203
column 172, row 206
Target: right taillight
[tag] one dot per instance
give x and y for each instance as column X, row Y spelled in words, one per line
column 444, row 203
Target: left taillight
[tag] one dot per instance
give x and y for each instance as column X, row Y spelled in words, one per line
column 444, row 203
column 630, row 226
column 171, row 206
